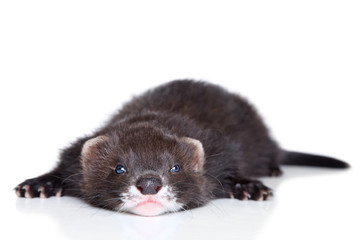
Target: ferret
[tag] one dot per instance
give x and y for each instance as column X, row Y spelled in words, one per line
column 174, row 148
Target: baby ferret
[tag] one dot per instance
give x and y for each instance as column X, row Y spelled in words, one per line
column 175, row 147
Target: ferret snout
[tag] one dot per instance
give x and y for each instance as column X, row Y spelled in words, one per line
column 149, row 185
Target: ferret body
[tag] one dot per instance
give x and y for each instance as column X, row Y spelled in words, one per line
column 174, row 148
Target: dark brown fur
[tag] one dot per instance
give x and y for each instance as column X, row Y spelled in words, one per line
column 149, row 135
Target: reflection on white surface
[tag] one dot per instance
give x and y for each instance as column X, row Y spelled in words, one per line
column 80, row 221
column 225, row 217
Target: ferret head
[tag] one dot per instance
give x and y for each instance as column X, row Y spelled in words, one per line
column 143, row 171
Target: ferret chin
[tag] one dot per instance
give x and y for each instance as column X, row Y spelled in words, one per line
column 149, row 205
column 176, row 147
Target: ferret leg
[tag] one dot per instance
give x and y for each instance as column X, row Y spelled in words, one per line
column 251, row 189
column 43, row 186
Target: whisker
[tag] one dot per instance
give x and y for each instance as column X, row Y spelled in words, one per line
column 213, row 155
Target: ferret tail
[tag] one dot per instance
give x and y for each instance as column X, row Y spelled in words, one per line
column 305, row 159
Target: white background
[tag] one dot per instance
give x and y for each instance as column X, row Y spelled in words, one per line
column 66, row 66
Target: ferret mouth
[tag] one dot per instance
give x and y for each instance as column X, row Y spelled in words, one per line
column 149, row 205
column 148, row 202
column 149, row 208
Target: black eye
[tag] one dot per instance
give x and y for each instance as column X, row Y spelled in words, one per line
column 175, row 168
column 120, row 169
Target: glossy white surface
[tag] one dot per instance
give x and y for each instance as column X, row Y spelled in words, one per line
column 309, row 203
column 66, row 66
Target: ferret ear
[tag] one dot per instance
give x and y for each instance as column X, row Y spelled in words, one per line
column 198, row 160
column 90, row 149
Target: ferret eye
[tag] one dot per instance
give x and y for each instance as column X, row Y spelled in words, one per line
column 120, row 169
column 175, row 168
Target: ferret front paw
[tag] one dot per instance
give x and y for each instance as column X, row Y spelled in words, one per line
column 44, row 186
column 252, row 190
